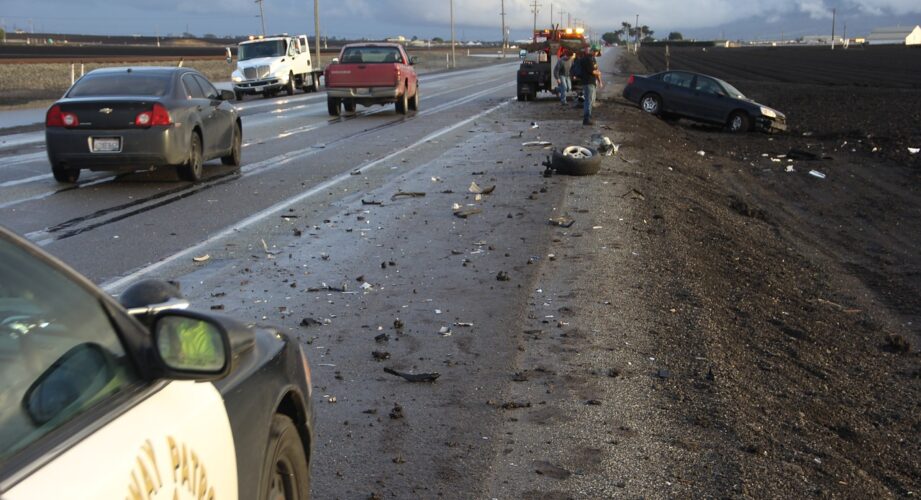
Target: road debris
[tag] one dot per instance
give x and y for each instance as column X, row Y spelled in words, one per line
column 414, row 377
column 514, row 405
column 817, row 174
column 914, row 151
column 371, row 202
column 397, row 412
column 407, row 194
column 380, row 355
column 463, row 213
column 203, row 258
column 503, row 276
column 534, row 125
column 562, row 221
column 799, row 154
column 308, row 322
column 476, row 189
column 536, row 143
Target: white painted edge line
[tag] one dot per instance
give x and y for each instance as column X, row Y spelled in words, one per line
column 117, row 283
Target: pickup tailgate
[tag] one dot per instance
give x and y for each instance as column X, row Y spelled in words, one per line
column 362, row 75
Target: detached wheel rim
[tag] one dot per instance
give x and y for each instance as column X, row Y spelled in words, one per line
column 577, row 152
column 650, row 105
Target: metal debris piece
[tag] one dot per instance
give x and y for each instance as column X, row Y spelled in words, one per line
column 562, row 221
column 816, row 173
column 414, row 377
column 203, row 258
column 407, row 194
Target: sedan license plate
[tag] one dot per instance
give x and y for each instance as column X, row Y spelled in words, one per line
column 106, row 144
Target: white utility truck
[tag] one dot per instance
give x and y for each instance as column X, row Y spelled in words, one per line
column 267, row 65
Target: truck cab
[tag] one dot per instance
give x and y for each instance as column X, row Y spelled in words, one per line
column 268, row 65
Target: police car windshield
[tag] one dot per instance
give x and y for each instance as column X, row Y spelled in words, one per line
column 267, row 48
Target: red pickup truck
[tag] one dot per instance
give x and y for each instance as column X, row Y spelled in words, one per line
column 369, row 74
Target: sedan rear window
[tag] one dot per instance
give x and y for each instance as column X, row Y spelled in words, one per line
column 121, row 84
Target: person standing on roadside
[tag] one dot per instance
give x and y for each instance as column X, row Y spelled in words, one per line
column 591, row 80
column 561, row 73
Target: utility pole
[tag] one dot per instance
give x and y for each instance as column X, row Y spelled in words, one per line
column 453, row 57
column 569, row 19
column 844, row 36
column 834, row 12
column 561, row 18
column 551, row 14
column 535, row 8
column 261, row 17
column 316, row 32
column 504, row 39
column 636, row 29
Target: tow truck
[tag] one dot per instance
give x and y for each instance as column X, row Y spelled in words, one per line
column 536, row 71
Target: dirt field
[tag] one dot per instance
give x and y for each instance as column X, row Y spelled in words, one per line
column 788, row 307
column 36, row 84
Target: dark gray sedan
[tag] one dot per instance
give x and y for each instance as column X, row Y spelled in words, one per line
column 142, row 117
column 674, row 94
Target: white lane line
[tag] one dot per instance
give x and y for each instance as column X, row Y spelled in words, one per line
column 24, row 139
column 12, row 161
column 34, row 178
column 116, row 284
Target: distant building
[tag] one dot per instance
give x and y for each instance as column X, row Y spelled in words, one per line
column 896, row 36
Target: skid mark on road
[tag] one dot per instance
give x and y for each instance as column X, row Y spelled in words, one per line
column 116, row 284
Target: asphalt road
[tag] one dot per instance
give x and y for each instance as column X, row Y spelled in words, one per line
column 110, row 227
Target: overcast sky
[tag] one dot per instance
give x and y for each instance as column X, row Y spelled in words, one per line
column 474, row 19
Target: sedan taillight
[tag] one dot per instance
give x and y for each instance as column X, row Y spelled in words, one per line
column 157, row 116
column 630, row 80
column 57, row 118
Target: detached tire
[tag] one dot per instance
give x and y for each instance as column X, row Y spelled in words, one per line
column 286, row 474
column 576, row 160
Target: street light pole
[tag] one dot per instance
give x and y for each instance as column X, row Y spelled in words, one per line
column 261, row 16
column 453, row 56
column 504, row 44
column 316, row 30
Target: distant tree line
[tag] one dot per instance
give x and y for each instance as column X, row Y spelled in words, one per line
column 628, row 33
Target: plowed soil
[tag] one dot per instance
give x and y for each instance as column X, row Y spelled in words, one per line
column 788, row 305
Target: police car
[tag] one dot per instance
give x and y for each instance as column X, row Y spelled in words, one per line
column 101, row 401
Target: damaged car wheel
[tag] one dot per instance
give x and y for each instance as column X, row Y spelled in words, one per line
column 576, row 160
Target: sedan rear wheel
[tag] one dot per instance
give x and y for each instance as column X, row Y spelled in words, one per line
column 192, row 170
column 286, row 476
column 651, row 103
column 234, row 157
column 68, row 175
column 739, row 122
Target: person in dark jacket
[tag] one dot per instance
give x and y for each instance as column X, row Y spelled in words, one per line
column 561, row 73
column 591, row 80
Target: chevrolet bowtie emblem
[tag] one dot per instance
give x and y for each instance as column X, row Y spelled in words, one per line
column 105, row 111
